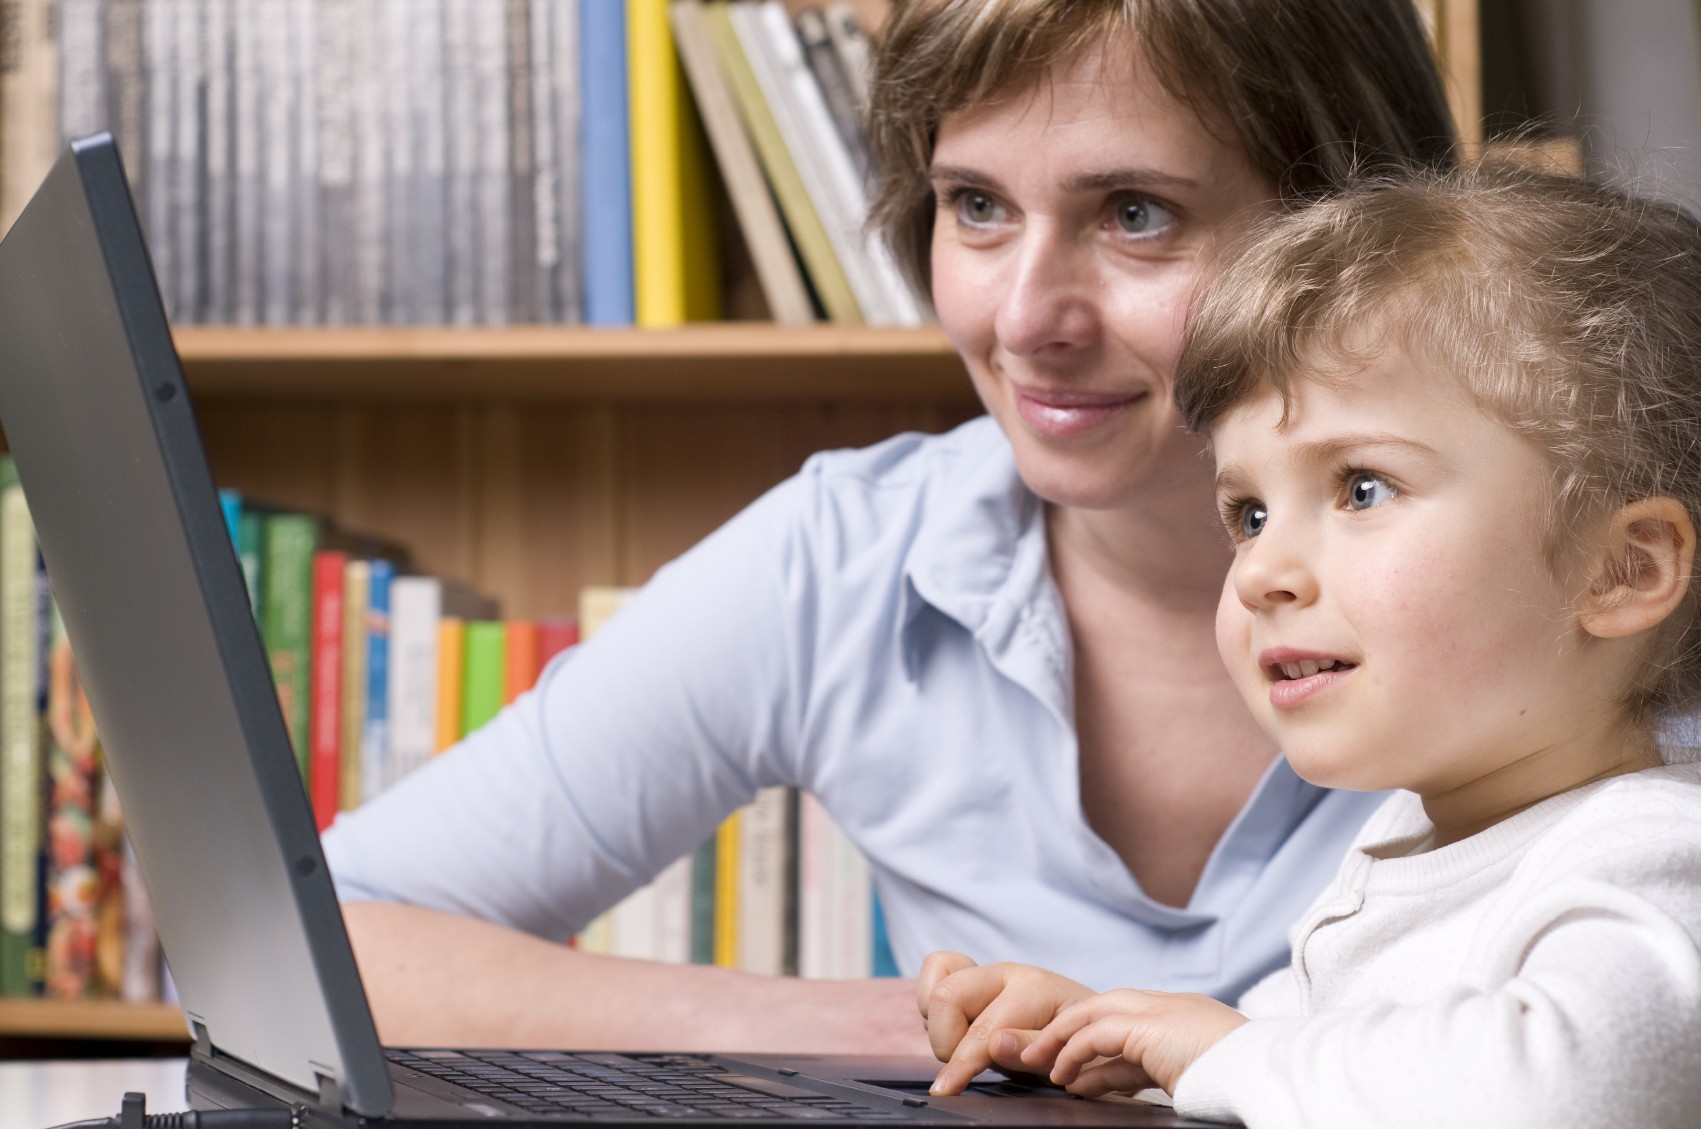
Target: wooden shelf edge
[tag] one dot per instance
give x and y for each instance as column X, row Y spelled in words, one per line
column 727, row 361
column 91, row 1019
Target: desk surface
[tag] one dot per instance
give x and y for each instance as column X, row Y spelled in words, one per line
column 39, row 1095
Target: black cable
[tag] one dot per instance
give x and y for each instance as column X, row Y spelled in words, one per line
column 133, row 1115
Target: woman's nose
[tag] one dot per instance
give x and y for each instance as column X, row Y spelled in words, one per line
column 1050, row 301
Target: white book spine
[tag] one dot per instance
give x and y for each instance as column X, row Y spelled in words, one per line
column 462, row 162
column 765, row 843
column 400, row 146
column 82, row 69
column 837, row 168
column 188, row 75
column 278, row 107
column 490, row 75
column 159, row 36
column 336, row 102
column 815, row 866
column 548, row 163
column 308, row 251
column 853, row 913
column 416, row 604
column 217, row 297
column 371, row 166
column 431, row 216
column 249, row 202
column 564, row 84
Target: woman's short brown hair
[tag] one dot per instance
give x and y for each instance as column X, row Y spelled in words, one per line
column 1312, row 90
column 1568, row 310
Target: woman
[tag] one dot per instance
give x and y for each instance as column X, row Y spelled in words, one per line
column 989, row 653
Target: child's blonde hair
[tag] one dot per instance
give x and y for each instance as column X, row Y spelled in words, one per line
column 1571, row 311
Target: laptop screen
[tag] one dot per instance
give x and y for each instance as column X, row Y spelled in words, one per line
column 95, row 412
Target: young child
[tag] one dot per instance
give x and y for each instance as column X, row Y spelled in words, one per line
column 1457, row 425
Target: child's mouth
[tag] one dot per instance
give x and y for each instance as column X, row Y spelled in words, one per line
column 1298, row 680
column 1305, row 668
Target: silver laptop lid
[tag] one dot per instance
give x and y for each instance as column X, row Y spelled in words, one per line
column 93, row 406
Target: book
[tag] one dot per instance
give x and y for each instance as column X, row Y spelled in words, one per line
column 416, row 604
column 703, row 873
column 855, row 51
column 355, row 650
column 803, row 221
column 604, row 158
column 73, row 874
column 493, row 185
column 675, row 256
column 727, row 885
column 22, row 778
column 325, row 696
column 522, row 204
column 520, row 664
column 375, row 746
column 286, row 622
column 766, row 31
column 554, row 635
column 484, row 666
column 758, row 218
column 451, row 681
column 766, row 881
column 29, row 101
column 821, row 52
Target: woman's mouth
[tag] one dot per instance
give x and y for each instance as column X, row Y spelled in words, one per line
column 1064, row 415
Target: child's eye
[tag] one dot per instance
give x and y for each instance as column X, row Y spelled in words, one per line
column 1244, row 518
column 1366, row 490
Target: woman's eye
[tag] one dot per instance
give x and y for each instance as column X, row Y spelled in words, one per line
column 1365, row 491
column 1141, row 216
column 978, row 208
column 1253, row 518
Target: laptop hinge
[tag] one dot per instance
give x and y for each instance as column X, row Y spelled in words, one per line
column 203, row 1039
column 330, row 1090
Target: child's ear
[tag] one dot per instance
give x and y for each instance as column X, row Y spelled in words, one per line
column 1644, row 568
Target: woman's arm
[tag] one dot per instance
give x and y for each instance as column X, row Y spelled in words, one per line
column 437, row 979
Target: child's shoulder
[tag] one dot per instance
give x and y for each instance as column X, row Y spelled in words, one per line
column 1636, row 824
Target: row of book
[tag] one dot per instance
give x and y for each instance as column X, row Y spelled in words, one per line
column 462, row 162
column 378, row 668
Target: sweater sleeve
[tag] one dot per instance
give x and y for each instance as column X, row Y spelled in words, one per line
column 1583, row 1008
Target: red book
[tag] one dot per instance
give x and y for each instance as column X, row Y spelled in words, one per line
column 324, row 762
column 520, row 665
column 555, row 635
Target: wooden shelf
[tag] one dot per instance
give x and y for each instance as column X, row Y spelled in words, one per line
column 91, row 1019
column 726, row 362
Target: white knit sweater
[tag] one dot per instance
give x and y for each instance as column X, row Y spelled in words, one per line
column 1545, row 972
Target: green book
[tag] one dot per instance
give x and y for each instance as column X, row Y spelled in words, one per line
column 482, row 672
column 286, row 617
column 703, row 902
column 250, row 545
column 22, row 775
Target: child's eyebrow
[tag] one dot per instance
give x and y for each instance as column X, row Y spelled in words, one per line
column 1336, row 447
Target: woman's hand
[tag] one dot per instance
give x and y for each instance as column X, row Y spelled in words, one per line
column 977, row 1015
column 1146, row 1039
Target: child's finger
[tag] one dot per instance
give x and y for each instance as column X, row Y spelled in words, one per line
column 1105, row 1037
column 935, row 967
column 1113, row 1076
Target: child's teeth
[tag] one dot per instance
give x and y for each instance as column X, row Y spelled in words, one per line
column 1307, row 667
column 1291, row 669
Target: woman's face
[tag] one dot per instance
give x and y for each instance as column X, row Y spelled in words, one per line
column 1072, row 218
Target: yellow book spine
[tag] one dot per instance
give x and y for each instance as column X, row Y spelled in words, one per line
column 451, row 657
column 726, row 892
column 357, row 585
column 675, row 256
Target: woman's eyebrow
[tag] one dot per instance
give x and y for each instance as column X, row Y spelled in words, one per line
column 1127, row 177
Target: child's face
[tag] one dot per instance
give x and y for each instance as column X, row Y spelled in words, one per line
column 1390, row 615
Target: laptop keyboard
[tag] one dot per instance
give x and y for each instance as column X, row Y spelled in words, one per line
column 611, row 1086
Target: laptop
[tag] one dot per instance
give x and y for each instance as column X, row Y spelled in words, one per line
column 98, row 418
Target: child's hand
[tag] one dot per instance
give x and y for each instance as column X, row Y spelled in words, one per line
column 1148, row 1038
column 968, row 1009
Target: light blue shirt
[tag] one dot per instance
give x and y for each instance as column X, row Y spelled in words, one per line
column 883, row 631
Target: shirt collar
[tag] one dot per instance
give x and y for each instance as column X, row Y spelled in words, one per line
column 980, row 560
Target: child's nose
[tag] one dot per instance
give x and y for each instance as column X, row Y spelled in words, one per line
column 1274, row 570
